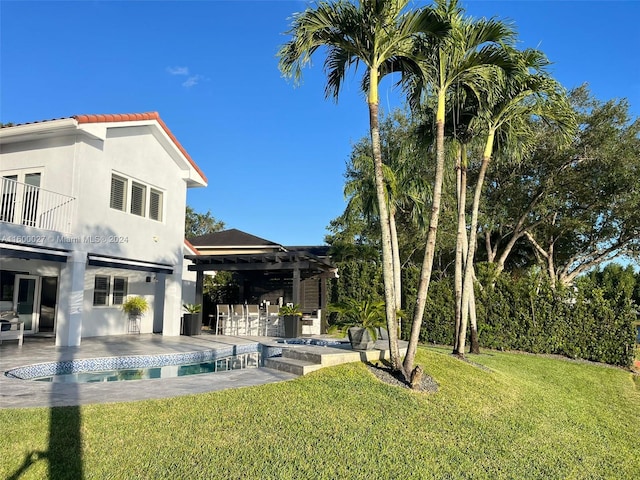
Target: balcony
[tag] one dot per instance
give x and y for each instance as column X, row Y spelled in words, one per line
column 32, row 206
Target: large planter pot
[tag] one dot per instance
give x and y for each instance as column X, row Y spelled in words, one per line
column 360, row 338
column 292, row 326
column 191, row 324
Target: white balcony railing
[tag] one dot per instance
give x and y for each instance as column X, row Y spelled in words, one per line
column 24, row 204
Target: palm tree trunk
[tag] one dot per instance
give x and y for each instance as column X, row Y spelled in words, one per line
column 461, row 184
column 473, row 322
column 387, row 257
column 430, row 248
column 467, row 285
column 397, row 273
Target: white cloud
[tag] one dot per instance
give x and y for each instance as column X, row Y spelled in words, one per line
column 192, row 80
column 178, row 70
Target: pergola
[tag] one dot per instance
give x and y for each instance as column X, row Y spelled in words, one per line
column 299, row 264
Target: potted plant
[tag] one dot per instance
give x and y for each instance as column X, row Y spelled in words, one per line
column 291, row 317
column 360, row 319
column 191, row 319
column 135, row 306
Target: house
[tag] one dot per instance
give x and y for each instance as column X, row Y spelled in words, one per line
column 92, row 212
column 265, row 271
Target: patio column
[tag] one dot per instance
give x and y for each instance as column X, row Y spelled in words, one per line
column 172, row 303
column 296, row 285
column 199, row 288
column 71, row 301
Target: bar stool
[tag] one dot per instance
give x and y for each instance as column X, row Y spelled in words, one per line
column 222, row 319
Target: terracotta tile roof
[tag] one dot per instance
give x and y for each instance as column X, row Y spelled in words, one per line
column 133, row 117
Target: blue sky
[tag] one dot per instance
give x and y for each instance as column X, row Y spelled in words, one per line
column 274, row 154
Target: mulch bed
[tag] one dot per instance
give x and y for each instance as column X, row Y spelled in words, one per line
column 383, row 373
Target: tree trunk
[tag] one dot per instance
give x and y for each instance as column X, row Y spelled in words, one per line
column 467, row 286
column 473, row 321
column 387, row 258
column 461, row 184
column 397, row 272
column 430, row 248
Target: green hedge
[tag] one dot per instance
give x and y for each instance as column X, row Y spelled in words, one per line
column 594, row 321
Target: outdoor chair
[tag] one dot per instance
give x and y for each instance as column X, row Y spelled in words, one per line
column 253, row 319
column 238, row 320
column 223, row 317
column 272, row 321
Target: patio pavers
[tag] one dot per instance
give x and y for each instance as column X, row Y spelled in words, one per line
column 16, row 393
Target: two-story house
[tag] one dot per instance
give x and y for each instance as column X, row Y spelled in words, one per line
column 92, row 211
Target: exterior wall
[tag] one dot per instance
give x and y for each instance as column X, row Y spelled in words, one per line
column 81, row 166
column 111, row 320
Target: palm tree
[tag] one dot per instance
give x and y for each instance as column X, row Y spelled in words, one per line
column 516, row 97
column 469, row 56
column 381, row 35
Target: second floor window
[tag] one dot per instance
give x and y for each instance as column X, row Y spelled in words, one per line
column 136, row 198
column 118, row 193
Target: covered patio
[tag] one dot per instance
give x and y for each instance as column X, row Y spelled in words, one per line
column 297, row 277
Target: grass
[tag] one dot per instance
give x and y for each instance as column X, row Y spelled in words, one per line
column 525, row 417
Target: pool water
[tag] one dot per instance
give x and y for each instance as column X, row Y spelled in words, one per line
column 235, row 362
column 312, row 341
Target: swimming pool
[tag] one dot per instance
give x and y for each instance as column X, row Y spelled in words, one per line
column 235, row 362
column 140, row 367
column 313, row 341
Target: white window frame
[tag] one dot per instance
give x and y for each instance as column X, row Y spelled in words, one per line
column 125, row 189
column 148, row 192
column 143, row 199
column 118, row 296
column 101, row 291
column 160, row 212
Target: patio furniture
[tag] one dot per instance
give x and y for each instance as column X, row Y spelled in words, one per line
column 238, row 320
column 223, row 315
column 253, row 318
column 11, row 328
column 272, row 321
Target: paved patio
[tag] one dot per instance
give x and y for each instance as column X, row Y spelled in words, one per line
column 297, row 360
column 16, row 393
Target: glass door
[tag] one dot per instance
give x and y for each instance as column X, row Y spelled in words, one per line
column 26, row 299
column 48, row 301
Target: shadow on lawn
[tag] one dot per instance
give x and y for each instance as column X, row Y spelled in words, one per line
column 64, row 452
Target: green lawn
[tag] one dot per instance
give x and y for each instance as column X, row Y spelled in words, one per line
column 528, row 417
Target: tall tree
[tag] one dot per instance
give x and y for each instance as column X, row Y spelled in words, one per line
column 513, row 99
column 381, row 35
column 593, row 214
column 468, row 56
column 197, row 224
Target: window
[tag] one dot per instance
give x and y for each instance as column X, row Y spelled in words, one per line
column 118, row 193
column 138, row 199
column 155, row 205
column 128, row 195
column 119, row 290
column 101, row 290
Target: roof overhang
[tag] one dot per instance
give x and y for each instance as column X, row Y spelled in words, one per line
column 262, row 262
column 28, row 252
column 128, row 264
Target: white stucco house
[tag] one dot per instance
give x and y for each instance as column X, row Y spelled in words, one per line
column 92, row 212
